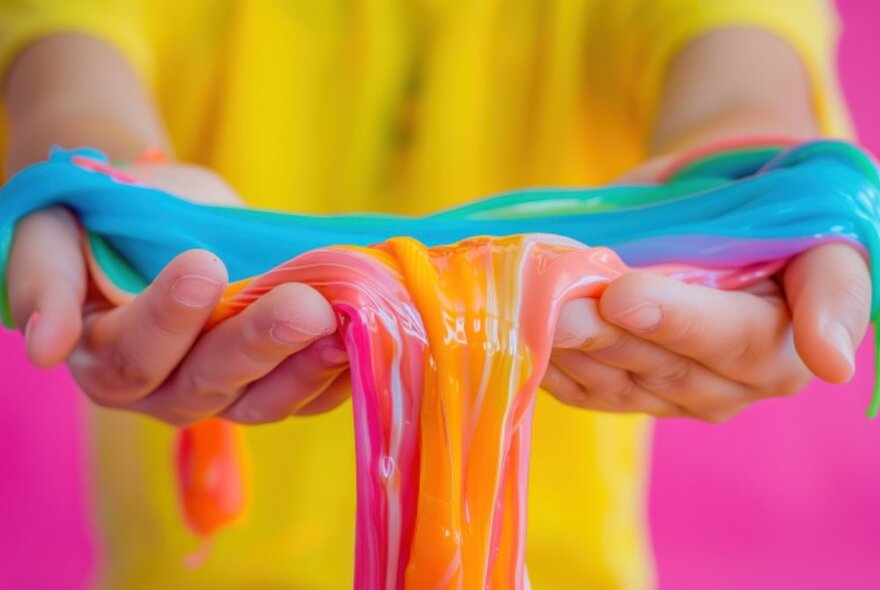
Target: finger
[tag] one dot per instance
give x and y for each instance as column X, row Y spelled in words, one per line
column 829, row 292
column 128, row 351
column 331, row 398
column 240, row 351
column 738, row 335
column 672, row 377
column 568, row 391
column 675, row 379
column 578, row 324
column 47, row 285
column 297, row 382
column 576, row 379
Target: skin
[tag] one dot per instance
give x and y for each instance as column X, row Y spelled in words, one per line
column 650, row 344
column 654, row 345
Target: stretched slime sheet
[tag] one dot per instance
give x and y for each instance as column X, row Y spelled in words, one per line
column 448, row 343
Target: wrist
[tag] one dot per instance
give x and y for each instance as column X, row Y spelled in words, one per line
column 30, row 141
column 739, row 126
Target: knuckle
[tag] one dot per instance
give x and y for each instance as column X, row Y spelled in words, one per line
column 621, row 394
column 202, row 392
column 178, row 410
column 576, row 398
column 610, row 342
column 855, row 291
column 681, row 330
column 672, row 374
column 193, row 383
column 567, row 391
column 130, row 370
column 256, row 343
column 551, row 380
column 580, row 397
column 742, row 352
column 301, row 305
column 168, row 321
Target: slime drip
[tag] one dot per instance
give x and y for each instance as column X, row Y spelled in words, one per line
column 447, row 343
column 448, row 346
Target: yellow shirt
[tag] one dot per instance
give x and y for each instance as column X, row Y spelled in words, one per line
column 408, row 106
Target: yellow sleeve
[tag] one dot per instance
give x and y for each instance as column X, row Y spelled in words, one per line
column 652, row 32
column 117, row 22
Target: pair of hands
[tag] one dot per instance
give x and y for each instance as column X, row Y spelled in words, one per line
column 650, row 344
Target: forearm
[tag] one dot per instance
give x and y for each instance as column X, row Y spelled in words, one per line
column 72, row 90
column 733, row 83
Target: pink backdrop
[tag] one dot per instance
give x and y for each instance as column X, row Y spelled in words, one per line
column 786, row 496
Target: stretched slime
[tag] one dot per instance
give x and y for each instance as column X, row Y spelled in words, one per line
column 448, row 343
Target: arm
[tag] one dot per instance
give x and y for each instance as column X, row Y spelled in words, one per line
column 658, row 346
column 146, row 356
column 74, row 90
column 733, row 83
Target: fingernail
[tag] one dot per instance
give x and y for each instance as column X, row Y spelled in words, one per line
column 31, row 325
column 839, row 337
column 195, row 290
column 642, row 317
column 332, row 354
column 286, row 334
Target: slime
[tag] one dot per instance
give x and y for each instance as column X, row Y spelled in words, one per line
column 448, row 343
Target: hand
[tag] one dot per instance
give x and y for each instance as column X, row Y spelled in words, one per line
column 654, row 345
column 279, row 357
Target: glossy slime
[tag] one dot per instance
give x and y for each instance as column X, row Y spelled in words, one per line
column 448, row 343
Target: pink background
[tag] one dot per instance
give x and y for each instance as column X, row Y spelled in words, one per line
column 786, row 496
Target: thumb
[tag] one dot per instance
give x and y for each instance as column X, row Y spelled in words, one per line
column 47, row 285
column 577, row 324
column 829, row 292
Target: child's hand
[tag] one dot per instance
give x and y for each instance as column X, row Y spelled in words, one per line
column 654, row 345
column 272, row 360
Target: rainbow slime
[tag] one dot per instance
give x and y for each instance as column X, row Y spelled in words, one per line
column 448, row 343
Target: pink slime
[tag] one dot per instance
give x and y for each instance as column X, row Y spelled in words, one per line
column 448, row 346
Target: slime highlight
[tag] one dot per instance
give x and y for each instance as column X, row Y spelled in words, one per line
column 448, row 343
column 447, row 353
